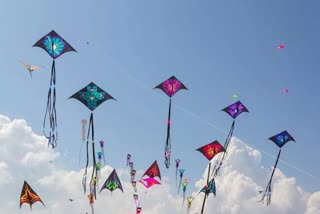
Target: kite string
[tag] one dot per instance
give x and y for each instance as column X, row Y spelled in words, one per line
column 144, row 85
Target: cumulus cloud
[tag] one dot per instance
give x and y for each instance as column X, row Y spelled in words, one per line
column 22, row 152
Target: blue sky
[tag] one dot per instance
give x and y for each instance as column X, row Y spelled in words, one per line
column 216, row 48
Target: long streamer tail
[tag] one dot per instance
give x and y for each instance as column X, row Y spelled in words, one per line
column 51, row 111
column 167, row 149
column 267, row 191
column 93, row 181
column 223, row 155
column 207, row 192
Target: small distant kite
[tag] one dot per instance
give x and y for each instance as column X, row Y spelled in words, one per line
column 31, row 68
column 170, row 87
column 190, row 199
column 285, row 91
column 280, row 140
column 281, row 47
column 29, row 196
column 235, row 96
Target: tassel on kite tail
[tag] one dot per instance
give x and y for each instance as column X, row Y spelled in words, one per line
column 51, row 111
column 267, row 192
column 167, row 149
column 223, row 155
column 207, row 192
column 101, row 142
column 91, row 201
column 83, row 124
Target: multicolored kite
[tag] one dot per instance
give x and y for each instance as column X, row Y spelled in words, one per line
column 210, row 187
column 170, row 87
column 184, row 188
column 149, row 182
column 181, row 171
column 153, row 171
column 28, row 195
column 234, row 110
column 209, row 151
column 55, row 46
column 91, row 96
column 112, row 183
column 280, row 140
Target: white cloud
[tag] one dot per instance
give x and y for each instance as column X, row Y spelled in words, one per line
column 25, row 155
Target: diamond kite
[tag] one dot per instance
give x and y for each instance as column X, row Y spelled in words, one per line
column 55, row 46
column 170, row 87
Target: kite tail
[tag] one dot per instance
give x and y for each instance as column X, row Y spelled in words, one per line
column 84, row 179
column 83, row 123
column 206, row 194
column 92, row 209
column 93, row 181
column 104, row 159
column 167, row 149
column 222, row 156
column 179, row 184
column 51, row 111
column 176, row 175
column 184, row 197
column 267, row 192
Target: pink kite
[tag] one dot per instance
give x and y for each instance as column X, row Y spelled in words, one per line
column 280, row 47
column 149, row 182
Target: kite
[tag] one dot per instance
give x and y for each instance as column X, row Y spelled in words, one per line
column 189, row 199
column 132, row 174
column 31, row 68
column 28, row 195
column 281, row 47
column 280, row 140
column 134, row 185
column 170, row 87
column 184, row 185
column 234, row 110
column 177, row 168
column 91, row 201
column 285, row 91
column 128, row 159
column 209, row 151
column 153, row 171
column 55, row 46
column 137, row 202
column 112, row 183
column 91, row 96
column 235, row 96
column 181, row 171
column 139, row 210
column 207, row 189
column 149, row 182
